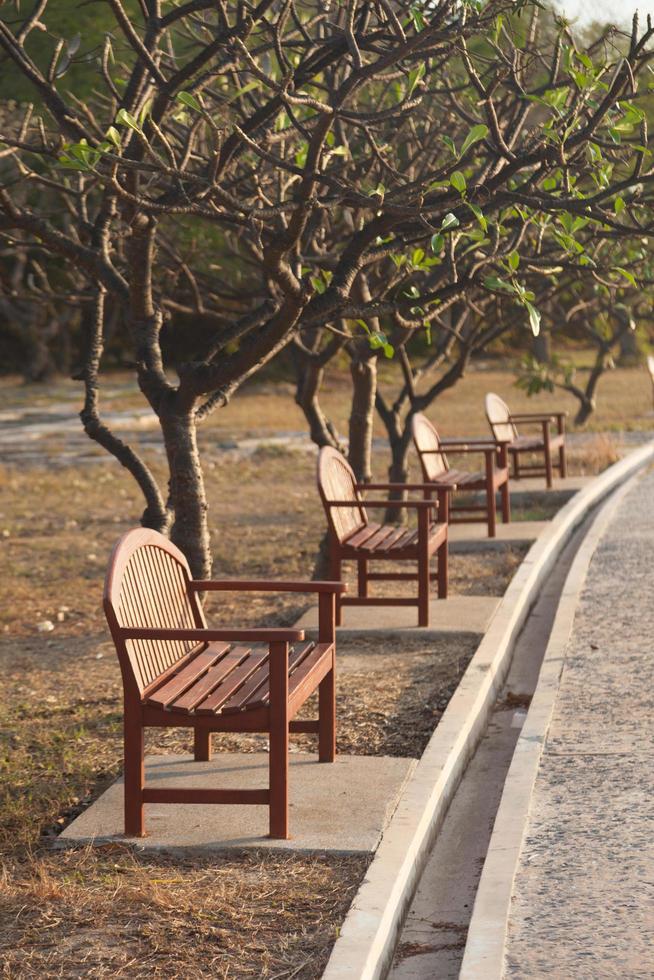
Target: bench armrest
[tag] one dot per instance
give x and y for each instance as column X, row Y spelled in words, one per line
column 418, row 504
column 468, row 445
column 263, row 585
column 207, row 635
column 405, row 486
column 536, row 416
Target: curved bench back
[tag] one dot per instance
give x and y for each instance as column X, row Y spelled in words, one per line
column 336, row 481
column 146, row 586
column 499, row 419
column 433, row 460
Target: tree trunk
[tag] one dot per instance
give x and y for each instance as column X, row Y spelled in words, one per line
column 541, row 347
column 398, row 471
column 585, row 410
column 189, row 530
column 364, row 380
column 309, row 377
column 629, row 355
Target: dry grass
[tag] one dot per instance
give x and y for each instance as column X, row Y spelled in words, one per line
column 598, row 452
column 107, row 913
column 102, row 912
column 624, row 400
column 257, row 534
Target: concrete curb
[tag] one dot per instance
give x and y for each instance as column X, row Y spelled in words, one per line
column 485, row 945
column 365, row 947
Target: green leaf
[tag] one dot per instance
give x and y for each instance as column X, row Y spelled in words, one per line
column 449, row 221
column 124, row 118
column 492, row 282
column 479, row 215
column 244, row 91
column 437, row 243
column 450, row 144
column 534, row 319
column 514, row 261
column 477, row 133
column 414, row 78
column 618, row 205
column 418, row 19
column 627, row 275
column 113, row 136
column 145, row 111
column 188, row 99
column 458, row 182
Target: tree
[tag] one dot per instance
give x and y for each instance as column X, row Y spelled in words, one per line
column 601, row 310
column 348, row 168
column 576, row 186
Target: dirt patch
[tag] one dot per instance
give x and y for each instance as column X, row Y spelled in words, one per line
column 61, row 720
column 106, row 912
column 112, row 913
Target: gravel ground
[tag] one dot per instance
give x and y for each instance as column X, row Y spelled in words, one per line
column 583, row 903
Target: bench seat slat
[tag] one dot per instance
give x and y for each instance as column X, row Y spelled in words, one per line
column 210, row 681
column 359, row 537
column 191, row 672
column 374, row 541
column 232, row 683
column 311, row 671
column 465, row 478
column 254, row 687
column 395, row 540
column 524, row 443
column 261, row 697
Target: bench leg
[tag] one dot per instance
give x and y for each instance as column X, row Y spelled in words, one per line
column 491, row 507
column 335, row 572
column 134, row 775
column 423, row 568
column 442, row 571
column 278, row 756
column 563, row 463
column 327, row 718
column 202, row 745
column 362, row 575
column 506, row 502
column 549, row 475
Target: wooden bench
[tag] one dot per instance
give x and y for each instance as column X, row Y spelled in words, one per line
column 178, row 673
column 504, row 428
column 353, row 537
column 436, row 469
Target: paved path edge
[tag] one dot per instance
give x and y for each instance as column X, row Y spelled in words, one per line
column 484, row 953
column 366, row 943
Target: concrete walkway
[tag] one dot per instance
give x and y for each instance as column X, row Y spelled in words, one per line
column 583, row 899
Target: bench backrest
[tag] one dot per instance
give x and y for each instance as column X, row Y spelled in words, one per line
column 147, row 587
column 336, row 481
column 499, row 419
column 433, row 460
